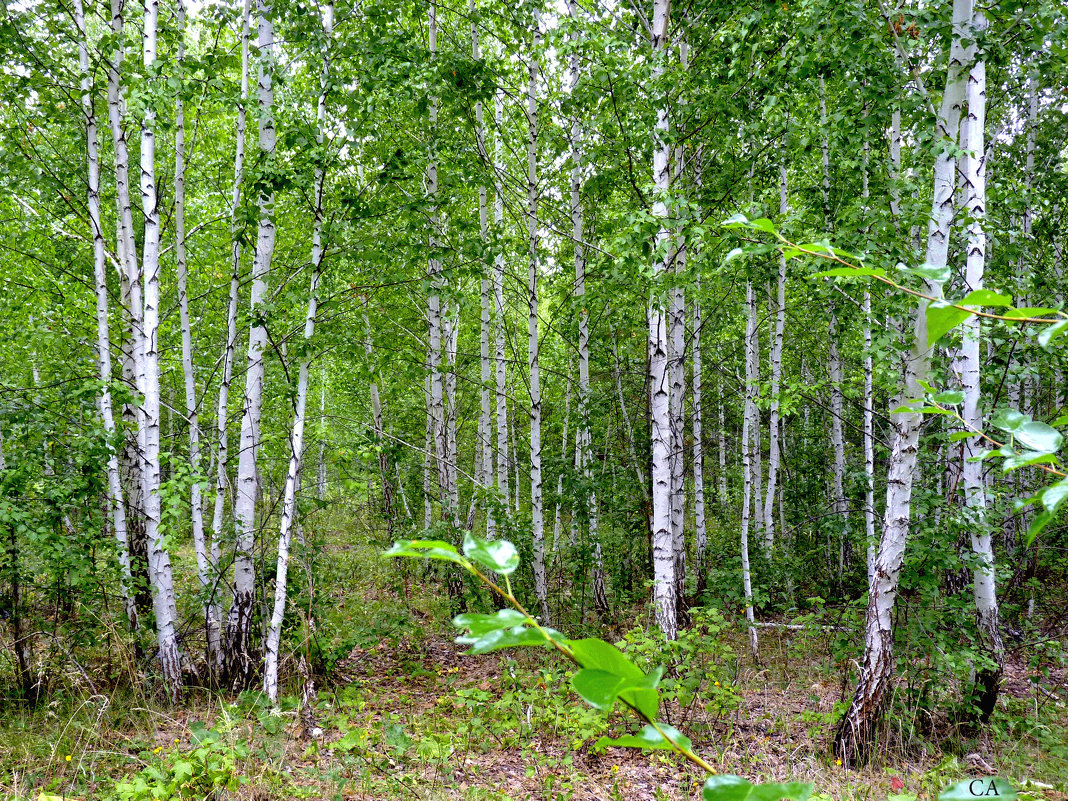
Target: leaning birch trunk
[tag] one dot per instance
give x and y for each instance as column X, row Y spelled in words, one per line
column 117, row 507
column 700, row 528
column 537, row 512
column 296, row 437
column 485, row 420
column 583, row 441
column 664, row 587
column 159, row 560
column 988, row 679
column 857, row 731
column 130, row 272
column 774, row 420
column 205, row 567
column 750, row 420
column 222, row 480
column 239, row 660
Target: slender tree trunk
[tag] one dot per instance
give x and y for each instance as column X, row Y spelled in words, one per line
column 377, row 425
column 775, row 348
column 639, row 473
column 133, row 448
column 320, row 477
column 721, row 439
column 533, row 358
column 116, row 505
column 858, row 729
column 500, row 373
column 664, row 568
column 296, row 437
column 159, row 560
column 222, row 413
column 700, row 529
column 240, row 663
column 205, row 567
column 988, row 679
column 750, row 420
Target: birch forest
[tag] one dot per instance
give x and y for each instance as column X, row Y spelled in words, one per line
column 585, row 399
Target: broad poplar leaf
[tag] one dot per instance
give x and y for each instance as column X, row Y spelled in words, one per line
column 735, row 788
column 929, row 272
column 600, row 655
column 1028, row 458
column 598, row 688
column 985, row 297
column 479, row 624
column 426, row 549
column 648, row 737
column 515, row 637
column 735, row 221
column 952, row 397
column 762, row 224
column 850, row 272
column 959, row 435
column 1039, row 436
column 943, row 318
column 499, row 556
column 1031, row 311
column 1048, row 334
column 1053, row 496
column 1009, row 420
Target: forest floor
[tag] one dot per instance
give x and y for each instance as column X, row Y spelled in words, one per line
column 406, row 714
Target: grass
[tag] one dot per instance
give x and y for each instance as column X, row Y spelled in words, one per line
column 406, row 715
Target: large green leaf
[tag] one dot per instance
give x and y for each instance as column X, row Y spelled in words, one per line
column 425, row 549
column 598, row 688
column 952, row 397
column 478, row 624
column 648, row 737
column 499, row 556
column 514, row 637
column 971, row 789
column 1053, row 496
column 943, row 318
column 600, row 655
column 930, row 272
column 735, row 788
column 985, row 297
column 1039, row 436
column 1049, row 333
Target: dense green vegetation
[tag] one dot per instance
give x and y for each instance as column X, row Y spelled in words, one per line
column 743, row 323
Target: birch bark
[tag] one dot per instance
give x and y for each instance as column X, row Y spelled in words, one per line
column 239, row 660
column 163, row 599
column 858, row 728
column 117, row 506
column 296, row 436
column 774, row 420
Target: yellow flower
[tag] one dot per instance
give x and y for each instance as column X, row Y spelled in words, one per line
column 717, row 683
column 615, row 768
column 157, row 750
column 68, row 757
column 838, row 762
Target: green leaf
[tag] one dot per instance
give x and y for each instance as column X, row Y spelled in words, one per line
column 499, row 556
column 598, row 688
column 1028, row 458
column 952, row 397
column 1032, row 311
column 1039, row 436
column 1009, row 420
column 1042, row 519
column 985, row 297
column 943, row 318
column 515, row 637
column 930, row 272
column 733, row 254
column 971, row 789
column 1060, row 421
column 959, row 435
column 762, row 224
column 735, row 788
column 648, row 737
column 1053, row 496
column 735, row 221
column 600, row 655
column 426, row 549
column 850, row 272
column 1047, row 335
column 479, row 624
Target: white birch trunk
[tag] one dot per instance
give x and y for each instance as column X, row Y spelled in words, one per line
column 986, row 603
column 500, row 372
column 664, row 588
column 163, row 599
column 222, row 413
column 116, row 504
column 700, row 528
column 296, row 437
column 856, row 732
column 239, row 661
column 721, row 441
column 537, row 513
column 750, row 420
column 776, row 378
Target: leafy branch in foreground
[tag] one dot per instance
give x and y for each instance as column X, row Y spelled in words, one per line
column 605, row 673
